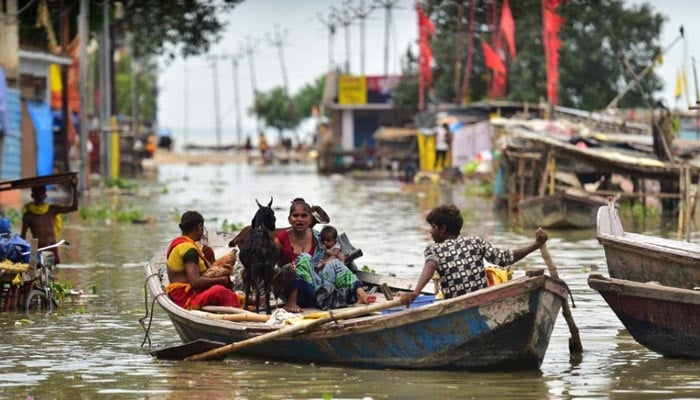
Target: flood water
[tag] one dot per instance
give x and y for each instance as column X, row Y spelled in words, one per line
column 92, row 349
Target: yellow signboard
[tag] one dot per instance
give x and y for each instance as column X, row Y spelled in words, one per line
column 352, row 89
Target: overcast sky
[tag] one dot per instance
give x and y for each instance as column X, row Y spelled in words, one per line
column 187, row 87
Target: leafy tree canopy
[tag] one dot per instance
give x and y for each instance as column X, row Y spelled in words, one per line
column 309, row 97
column 273, row 108
column 160, row 28
column 596, row 38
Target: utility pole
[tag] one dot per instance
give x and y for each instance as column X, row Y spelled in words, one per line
column 387, row 5
column 330, row 22
column 217, row 119
column 106, row 109
column 133, row 88
column 66, row 119
column 236, row 97
column 249, row 46
column 278, row 41
column 186, row 110
column 345, row 19
column 362, row 12
column 83, row 32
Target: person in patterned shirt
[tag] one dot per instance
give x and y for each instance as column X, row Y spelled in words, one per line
column 460, row 259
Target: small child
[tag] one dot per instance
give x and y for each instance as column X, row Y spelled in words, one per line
column 331, row 247
column 335, row 271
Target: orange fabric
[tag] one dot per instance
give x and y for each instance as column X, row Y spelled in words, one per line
column 218, row 295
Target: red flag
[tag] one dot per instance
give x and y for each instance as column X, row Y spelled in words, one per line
column 508, row 27
column 425, row 26
column 493, row 60
column 424, row 63
column 425, row 72
column 550, row 30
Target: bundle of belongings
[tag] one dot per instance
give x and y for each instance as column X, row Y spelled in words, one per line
column 14, row 252
column 12, row 247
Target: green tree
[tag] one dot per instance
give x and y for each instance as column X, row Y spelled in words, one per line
column 595, row 39
column 405, row 94
column 273, row 108
column 161, row 28
column 145, row 93
column 309, row 96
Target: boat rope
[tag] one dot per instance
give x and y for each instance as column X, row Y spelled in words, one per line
column 571, row 296
column 147, row 328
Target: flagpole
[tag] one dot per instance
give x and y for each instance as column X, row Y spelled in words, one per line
column 421, row 83
column 470, row 54
column 697, row 101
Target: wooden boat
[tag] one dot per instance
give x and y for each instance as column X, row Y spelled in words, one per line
column 504, row 327
column 644, row 258
column 561, row 210
column 664, row 319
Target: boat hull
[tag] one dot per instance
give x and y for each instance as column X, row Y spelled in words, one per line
column 504, row 327
column 644, row 258
column 560, row 211
column 503, row 335
column 664, row 319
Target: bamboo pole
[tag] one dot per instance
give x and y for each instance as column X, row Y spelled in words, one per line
column 575, row 346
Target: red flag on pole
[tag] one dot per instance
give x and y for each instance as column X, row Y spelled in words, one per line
column 425, row 72
column 508, row 27
column 551, row 24
column 425, row 25
column 493, row 60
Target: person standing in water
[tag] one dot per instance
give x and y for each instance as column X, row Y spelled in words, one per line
column 42, row 219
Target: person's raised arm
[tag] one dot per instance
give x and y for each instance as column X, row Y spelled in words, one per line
column 540, row 239
column 426, row 275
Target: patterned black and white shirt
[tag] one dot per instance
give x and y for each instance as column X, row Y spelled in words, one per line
column 460, row 263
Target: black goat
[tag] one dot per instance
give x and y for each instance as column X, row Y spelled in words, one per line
column 259, row 255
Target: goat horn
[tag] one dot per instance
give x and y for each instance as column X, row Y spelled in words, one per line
column 258, row 203
column 270, row 203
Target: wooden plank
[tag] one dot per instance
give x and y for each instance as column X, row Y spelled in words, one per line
column 26, row 183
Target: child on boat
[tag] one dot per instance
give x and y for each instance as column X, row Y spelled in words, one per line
column 459, row 260
column 329, row 264
column 331, row 248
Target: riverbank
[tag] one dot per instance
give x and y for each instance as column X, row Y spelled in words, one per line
column 197, row 157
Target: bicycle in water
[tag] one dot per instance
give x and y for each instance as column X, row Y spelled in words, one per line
column 41, row 296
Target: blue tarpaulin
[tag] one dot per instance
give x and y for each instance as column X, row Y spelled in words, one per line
column 42, row 119
column 3, row 102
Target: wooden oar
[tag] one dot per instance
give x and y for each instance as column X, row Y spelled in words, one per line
column 287, row 331
column 575, row 346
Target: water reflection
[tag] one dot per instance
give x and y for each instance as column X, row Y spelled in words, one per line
column 91, row 349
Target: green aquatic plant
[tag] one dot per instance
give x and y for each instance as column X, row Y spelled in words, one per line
column 366, row 268
column 59, row 289
column 120, row 183
column 637, row 211
column 112, row 212
column 481, row 189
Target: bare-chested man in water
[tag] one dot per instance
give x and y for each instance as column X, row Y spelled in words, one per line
column 42, row 218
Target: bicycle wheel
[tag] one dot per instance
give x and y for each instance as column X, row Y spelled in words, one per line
column 37, row 300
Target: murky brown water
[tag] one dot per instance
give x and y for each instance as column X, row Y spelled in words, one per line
column 92, row 350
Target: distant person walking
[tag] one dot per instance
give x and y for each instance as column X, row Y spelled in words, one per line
column 443, row 142
column 248, row 147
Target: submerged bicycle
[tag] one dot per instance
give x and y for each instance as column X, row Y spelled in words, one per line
column 41, row 296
